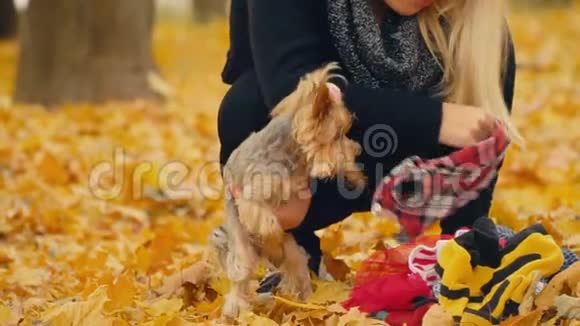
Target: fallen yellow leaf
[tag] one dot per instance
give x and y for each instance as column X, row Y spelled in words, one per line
column 355, row 317
column 527, row 304
column 250, row 318
column 568, row 307
column 25, row 276
column 122, row 292
column 120, row 322
column 195, row 274
column 163, row 307
column 5, row 314
column 329, row 292
column 336, row 308
column 143, row 259
column 51, row 169
column 210, row 308
column 297, row 304
column 221, row 285
column 437, row 316
column 89, row 312
column 531, row 318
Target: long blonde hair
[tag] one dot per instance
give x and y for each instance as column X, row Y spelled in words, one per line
column 471, row 53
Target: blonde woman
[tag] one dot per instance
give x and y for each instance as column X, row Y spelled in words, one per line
column 422, row 77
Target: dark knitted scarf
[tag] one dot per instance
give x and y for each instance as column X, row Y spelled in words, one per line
column 389, row 55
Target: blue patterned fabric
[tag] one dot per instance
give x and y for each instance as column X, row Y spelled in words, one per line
column 570, row 258
column 504, row 232
column 436, row 289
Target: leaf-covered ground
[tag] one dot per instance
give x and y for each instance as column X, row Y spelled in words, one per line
column 81, row 245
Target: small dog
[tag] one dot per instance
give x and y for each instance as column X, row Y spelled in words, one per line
column 306, row 138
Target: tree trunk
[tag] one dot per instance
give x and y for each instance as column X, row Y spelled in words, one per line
column 205, row 10
column 85, row 51
column 7, row 19
column 542, row 3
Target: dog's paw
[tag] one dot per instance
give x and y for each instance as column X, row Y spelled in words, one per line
column 233, row 305
column 305, row 290
column 300, row 288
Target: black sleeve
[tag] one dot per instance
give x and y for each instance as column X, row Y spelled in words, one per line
column 480, row 207
column 286, row 44
column 510, row 77
column 288, row 40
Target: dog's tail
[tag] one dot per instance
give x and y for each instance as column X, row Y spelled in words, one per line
column 320, row 125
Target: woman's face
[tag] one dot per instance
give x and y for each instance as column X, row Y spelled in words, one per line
column 408, row 7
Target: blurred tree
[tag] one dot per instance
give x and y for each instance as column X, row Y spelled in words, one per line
column 86, row 51
column 7, row 18
column 542, row 3
column 205, row 10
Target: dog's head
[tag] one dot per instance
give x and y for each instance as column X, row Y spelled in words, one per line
column 320, row 125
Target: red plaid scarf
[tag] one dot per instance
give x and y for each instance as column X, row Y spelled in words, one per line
column 420, row 192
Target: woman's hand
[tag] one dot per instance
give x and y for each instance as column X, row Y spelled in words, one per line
column 464, row 125
column 335, row 92
column 292, row 213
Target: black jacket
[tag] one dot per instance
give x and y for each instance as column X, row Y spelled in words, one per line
column 280, row 40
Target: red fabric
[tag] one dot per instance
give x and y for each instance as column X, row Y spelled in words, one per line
column 420, row 192
column 502, row 243
column 390, row 293
column 385, row 283
column 409, row 318
column 392, row 261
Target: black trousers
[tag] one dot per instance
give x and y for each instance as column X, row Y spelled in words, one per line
column 243, row 111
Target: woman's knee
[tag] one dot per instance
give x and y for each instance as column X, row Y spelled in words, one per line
column 241, row 112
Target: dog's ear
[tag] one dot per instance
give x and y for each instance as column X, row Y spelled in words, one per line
column 322, row 101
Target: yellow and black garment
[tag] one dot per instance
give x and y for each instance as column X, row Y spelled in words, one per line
column 478, row 278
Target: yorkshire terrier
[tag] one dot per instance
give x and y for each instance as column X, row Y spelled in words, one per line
column 306, row 138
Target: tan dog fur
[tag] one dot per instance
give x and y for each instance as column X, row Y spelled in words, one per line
column 306, row 138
